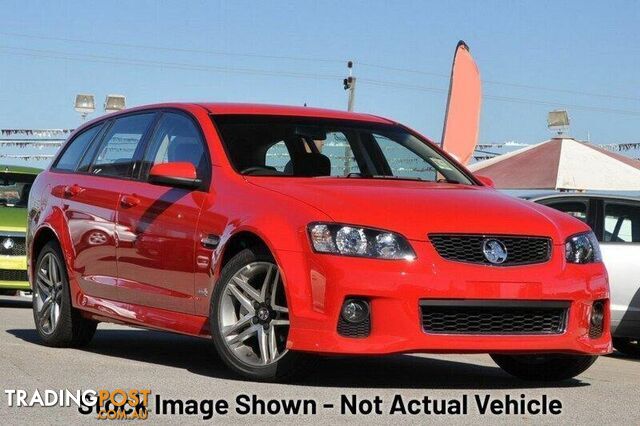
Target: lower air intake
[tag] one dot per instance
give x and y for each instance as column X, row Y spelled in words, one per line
column 491, row 317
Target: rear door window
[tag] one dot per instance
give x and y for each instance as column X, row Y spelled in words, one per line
column 117, row 154
column 76, row 148
column 621, row 223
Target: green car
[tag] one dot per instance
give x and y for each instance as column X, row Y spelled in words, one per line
column 15, row 184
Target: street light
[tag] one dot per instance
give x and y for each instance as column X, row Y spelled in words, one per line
column 114, row 103
column 85, row 104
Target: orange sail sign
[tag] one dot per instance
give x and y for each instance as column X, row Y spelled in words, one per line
column 462, row 118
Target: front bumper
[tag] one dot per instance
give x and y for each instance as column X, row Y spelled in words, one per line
column 317, row 285
column 13, row 273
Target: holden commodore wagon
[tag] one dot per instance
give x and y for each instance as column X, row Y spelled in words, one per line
column 281, row 233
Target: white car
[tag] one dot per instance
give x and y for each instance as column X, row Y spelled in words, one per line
column 616, row 222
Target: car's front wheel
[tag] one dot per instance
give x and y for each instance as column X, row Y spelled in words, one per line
column 627, row 345
column 250, row 319
column 57, row 322
column 548, row 367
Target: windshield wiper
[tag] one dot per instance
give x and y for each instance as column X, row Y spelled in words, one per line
column 398, row 178
column 445, row 180
column 385, row 177
column 391, row 177
column 356, row 175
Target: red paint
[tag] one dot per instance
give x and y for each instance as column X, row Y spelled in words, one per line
column 150, row 268
column 486, row 181
column 177, row 170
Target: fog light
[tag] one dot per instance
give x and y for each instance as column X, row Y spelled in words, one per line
column 597, row 314
column 596, row 321
column 355, row 311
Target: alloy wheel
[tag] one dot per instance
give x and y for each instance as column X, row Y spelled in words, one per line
column 48, row 293
column 253, row 314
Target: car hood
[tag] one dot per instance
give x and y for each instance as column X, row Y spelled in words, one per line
column 13, row 219
column 416, row 209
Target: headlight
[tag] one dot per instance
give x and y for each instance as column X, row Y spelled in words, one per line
column 351, row 240
column 582, row 248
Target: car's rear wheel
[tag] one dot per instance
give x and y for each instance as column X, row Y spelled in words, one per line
column 57, row 322
column 548, row 367
column 627, row 345
column 250, row 319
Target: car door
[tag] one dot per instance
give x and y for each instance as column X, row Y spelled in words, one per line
column 88, row 184
column 619, row 230
column 89, row 209
column 156, row 225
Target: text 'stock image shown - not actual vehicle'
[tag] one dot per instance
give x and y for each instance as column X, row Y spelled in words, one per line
column 286, row 232
column 15, row 184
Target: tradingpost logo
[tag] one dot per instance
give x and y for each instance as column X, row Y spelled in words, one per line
column 103, row 404
column 119, row 404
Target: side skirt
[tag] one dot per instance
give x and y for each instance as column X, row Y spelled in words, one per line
column 105, row 310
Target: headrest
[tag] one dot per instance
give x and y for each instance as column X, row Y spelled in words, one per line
column 311, row 164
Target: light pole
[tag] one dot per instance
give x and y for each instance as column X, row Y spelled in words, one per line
column 350, row 85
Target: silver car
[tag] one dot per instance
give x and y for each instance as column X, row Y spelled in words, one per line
column 616, row 222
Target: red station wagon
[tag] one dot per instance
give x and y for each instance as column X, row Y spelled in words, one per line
column 286, row 232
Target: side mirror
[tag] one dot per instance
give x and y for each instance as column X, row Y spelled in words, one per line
column 486, row 181
column 177, row 174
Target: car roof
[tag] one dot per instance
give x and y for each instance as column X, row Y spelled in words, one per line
column 8, row 168
column 627, row 196
column 299, row 111
column 221, row 108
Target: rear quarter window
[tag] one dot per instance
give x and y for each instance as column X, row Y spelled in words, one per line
column 74, row 149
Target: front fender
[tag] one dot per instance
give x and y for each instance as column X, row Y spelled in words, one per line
column 279, row 221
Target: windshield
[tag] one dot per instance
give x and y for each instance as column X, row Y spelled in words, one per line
column 315, row 147
column 14, row 189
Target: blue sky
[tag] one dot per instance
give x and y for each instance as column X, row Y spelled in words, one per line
column 575, row 46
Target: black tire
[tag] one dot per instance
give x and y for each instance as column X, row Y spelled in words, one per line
column 545, row 368
column 71, row 329
column 290, row 366
column 627, row 346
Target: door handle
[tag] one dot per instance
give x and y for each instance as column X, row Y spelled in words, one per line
column 210, row 241
column 129, row 201
column 72, row 190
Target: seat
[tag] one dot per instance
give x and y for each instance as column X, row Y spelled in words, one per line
column 311, row 164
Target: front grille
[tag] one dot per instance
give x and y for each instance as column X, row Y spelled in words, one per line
column 13, row 275
column 491, row 317
column 348, row 329
column 595, row 331
column 469, row 248
column 12, row 245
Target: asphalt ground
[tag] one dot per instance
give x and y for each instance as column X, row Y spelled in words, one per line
column 179, row 367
